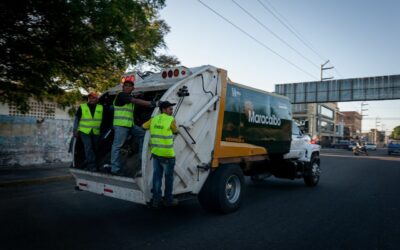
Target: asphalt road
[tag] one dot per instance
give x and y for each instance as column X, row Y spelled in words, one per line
column 355, row 206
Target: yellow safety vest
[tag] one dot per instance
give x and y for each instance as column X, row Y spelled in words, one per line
column 89, row 122
column 161, row 137
column 123, row 115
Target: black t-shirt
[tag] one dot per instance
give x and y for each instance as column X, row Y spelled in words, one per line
column 122, row 99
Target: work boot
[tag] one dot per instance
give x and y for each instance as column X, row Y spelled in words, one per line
column 155, row 204
column 118, row 173
column 171, row 203
column 107, row 168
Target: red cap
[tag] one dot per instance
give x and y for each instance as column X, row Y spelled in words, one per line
column 129, row 79
column 93, row 94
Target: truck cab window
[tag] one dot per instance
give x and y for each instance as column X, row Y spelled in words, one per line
column 296, row 130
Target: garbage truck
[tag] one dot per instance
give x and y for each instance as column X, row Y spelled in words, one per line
column 226, row 131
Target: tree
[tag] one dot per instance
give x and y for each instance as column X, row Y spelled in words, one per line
column 395, row 133
column 48, row 47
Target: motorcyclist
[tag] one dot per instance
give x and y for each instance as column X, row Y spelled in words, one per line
column 360, row 146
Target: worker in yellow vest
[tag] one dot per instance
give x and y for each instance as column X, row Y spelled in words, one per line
column 162, row 127
column 123, row 124
column 88, row 120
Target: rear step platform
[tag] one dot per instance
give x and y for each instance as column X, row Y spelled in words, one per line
column 109, row 185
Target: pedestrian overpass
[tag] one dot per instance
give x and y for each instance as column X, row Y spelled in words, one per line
column 342, row 90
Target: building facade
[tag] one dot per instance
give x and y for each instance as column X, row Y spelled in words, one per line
column 352, row 120
column 377, row 137
column 319, row 121
column 40, row 136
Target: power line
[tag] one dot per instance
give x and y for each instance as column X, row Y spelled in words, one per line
column 295, row 32
column 255, row 39
column 291, row 28
column 275, row 35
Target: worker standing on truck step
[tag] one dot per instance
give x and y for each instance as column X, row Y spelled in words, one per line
column 162, row 127
column 123, row 124
column 88, row 120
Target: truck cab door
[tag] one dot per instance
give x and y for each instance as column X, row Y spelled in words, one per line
column 298, row 144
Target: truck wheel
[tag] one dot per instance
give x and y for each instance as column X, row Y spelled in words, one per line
column 312, row 172
column 223, row 191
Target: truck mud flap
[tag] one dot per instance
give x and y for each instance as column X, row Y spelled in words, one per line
column 113, row 186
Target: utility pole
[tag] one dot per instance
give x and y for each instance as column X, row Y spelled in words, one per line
column 319, row 106
column 363, row 104
column 377, row 123
column 322, row 71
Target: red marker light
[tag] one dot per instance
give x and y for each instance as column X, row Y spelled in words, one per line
column 183, row 72
column 176, row 72
column 131, row 78
column 170, row 73
column 164, row 74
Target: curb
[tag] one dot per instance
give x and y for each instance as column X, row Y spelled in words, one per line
column 27, row 182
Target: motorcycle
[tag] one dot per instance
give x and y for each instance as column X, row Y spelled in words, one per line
column 360, row 150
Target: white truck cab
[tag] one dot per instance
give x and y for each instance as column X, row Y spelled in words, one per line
column 301, row 147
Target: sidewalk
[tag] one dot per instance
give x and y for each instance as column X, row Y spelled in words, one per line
column 34, row 174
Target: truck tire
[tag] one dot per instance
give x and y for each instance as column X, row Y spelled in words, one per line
column 312, row 172
column 223, row 190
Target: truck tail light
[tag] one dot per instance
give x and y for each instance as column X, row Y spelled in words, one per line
column 176, row 72
column 170, row 73
column 164, row 74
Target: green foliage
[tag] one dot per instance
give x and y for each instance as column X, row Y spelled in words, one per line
column 50, row 46
column 395, row 133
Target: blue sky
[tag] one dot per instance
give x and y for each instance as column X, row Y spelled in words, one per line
column 360, row 37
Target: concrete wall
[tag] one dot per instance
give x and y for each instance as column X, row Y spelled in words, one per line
column 34, row 138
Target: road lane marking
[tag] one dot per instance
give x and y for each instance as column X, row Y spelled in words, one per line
column 384, row 158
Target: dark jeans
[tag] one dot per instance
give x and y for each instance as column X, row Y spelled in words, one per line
column 90, row 143
column 120, row 135
column 161, row 164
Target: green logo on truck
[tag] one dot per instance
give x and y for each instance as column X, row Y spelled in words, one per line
column 264, row 119
column 257, row 117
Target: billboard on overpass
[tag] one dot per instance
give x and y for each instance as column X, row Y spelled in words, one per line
column 342, row 90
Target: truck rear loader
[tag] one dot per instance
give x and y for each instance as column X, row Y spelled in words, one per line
column 225, row 131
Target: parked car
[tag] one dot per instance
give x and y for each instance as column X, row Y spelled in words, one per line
column 394, row 147
column 370, row 146
column 351, row 145
column 343, row 144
